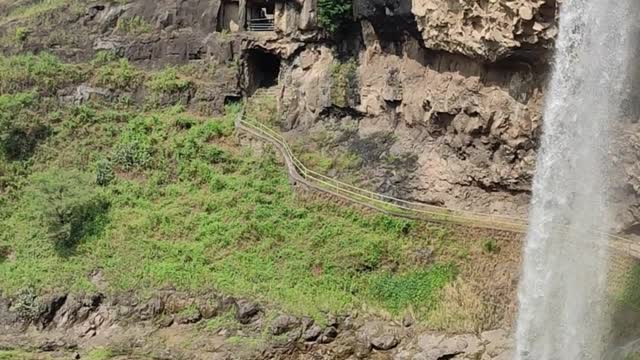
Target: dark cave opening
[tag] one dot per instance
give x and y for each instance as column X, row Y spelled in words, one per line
column 263, row 70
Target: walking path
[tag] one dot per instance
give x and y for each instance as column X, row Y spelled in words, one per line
column 300, row 174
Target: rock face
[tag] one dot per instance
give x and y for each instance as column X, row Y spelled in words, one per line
column 461, row 133
column 490, row 30
column 445, row 101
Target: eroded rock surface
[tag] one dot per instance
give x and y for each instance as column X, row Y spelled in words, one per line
column 76, row 324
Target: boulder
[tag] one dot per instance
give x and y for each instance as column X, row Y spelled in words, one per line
column 497, row 343
column 312, row 333
column 379, row 335
column 246, row 311
column 435, row 347
column 283, row 324
column 328, row 335
column 384, row 342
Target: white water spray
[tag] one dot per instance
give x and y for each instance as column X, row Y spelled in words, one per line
column 562, row 293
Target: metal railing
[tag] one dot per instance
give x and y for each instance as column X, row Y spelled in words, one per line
column 262, row 24
column 399, row 207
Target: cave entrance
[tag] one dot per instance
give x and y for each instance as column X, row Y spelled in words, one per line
column 263, row 70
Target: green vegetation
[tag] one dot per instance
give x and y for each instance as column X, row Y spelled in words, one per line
column 226, row 320
column 100, row 354
column 119, row 75
column 103, row 57
column 630, row 290
column 26, row 10
column 21, row 34
column 168, row 82
column 344, row 82
column 67, row 204
column 43, row 74
column 398, row 292
column 167, row 87
column 167, row 198
column 26, row 304
column 135, row 25
column 263, row 108
column 334, row 15
column 490, row 246
column 20, row 355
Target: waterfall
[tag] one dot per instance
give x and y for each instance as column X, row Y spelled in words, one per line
column 562, row 294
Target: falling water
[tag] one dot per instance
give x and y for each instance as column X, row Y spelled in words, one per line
column 562, row 293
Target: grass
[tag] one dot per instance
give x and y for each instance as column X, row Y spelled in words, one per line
column 42, row 73
column 135, row 25
column 226, row 320
column 263, row 109
column 167, row 81
column 463, row 311
column 118, row 75
column 398, row 292
column 30, row 9
column 189, row 208
column 100, row 354
column 490, row 246
column 22, row 355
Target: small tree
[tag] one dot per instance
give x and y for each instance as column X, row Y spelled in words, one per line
column 68, row 203
column 333, row 15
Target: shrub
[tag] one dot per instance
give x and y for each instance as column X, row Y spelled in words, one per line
column 119, row 76
column 81, row 115
column 131, row 155
column 184, row 122
column 26, row 304
column 44, row 72
column 67, row 203
column 168, row 82
column 21, row 35
column 490, row 246
column 333, row 15
column 19, row 132
column 263, row 109
column 135, row 25
column 104, row 173
column 104, row 57
column 5, row 250
column 344, row 83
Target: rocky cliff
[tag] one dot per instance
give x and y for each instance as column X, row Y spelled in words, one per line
column 455, row 88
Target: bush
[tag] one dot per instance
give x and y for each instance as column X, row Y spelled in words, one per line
column 19, row 132
column 490, row 246
column 104, row 57
column 119, row 76
column 168, row 82
column 344, row 83
column 67, row 203
column 26, row 304
column 134, row 25
column 104, row 173
column 44, row 72
column 21, row 35
column 132, row 155
column 333, row 15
